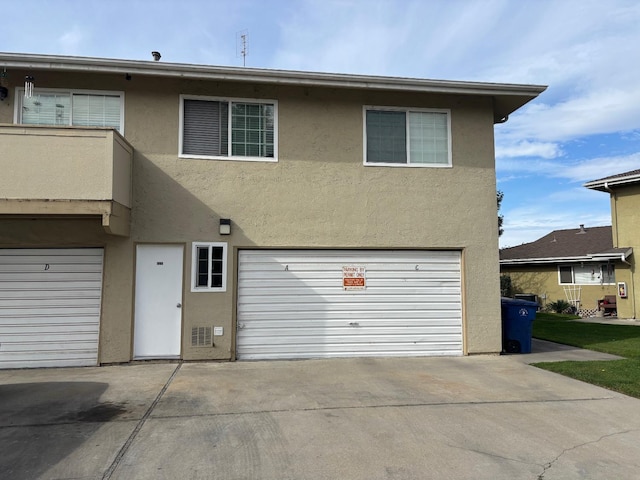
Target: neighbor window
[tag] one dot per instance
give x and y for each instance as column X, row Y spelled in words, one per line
column 209, row 267
column 595, row 274
column 228, row 129
column 408, row 137
column 71, row 108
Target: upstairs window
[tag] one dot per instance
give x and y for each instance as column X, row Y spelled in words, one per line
column 209, row 267
column 71, row 108
column 228, row 129
column 407, row 137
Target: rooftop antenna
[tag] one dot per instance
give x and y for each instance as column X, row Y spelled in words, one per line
column 241, row 45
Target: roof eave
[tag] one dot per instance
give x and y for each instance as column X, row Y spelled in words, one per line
column 605, row 185
column 509, row 97
column 591, row 257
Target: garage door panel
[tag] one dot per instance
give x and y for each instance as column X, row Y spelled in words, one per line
column 292, row 304
column 50, row 303
column 55, row 342
column 336, row 351
column 365, row 334
column 328, row 308
column 330, row 295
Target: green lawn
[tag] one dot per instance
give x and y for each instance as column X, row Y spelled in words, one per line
column 624, row 340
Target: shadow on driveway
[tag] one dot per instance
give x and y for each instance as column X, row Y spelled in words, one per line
column 42, row 423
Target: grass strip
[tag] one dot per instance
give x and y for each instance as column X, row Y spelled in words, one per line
column 624, row 340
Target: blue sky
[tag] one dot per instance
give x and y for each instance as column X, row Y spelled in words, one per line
column 585, row 126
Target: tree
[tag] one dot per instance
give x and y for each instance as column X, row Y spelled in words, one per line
column 499, row 196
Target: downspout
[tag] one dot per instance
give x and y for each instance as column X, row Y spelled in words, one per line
column 614, row 215
column 614, row 210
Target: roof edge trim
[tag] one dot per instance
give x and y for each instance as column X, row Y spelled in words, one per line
column 260, row 75
column 592, row 257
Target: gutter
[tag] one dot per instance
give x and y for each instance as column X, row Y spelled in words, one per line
column 594, row 257
column 605, row 185
column 259, row 75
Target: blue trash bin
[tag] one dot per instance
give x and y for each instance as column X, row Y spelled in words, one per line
column 517, row 324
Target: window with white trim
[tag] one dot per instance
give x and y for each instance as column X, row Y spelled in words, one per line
column 71, row 108
column 407, row 137
column 594, row 274
column 236, row 129
column 209, row 267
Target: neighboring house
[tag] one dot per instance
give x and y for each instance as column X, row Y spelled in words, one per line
column 624, row 192
column 153, row 210
column 576, row 265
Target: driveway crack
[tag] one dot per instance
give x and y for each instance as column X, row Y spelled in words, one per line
column 547, row 466
column 125, row 447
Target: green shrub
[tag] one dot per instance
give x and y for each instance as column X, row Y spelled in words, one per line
column 560, row 306
column 506, row 286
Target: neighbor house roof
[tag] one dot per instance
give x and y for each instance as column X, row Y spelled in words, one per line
column 604, row 184
column 506, row 97
column 577, row 245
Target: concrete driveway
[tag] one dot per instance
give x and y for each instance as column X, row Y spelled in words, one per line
column 482, row 417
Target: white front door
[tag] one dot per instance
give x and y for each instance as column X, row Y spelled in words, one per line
column 158, row 310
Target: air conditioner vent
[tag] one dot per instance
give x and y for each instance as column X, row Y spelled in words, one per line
column 201, row 337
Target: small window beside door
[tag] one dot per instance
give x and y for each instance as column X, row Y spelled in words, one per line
column 209, row 267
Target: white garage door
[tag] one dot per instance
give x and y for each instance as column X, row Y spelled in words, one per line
column 50, row 307
column 328, row 303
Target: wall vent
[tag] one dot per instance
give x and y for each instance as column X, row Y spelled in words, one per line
column 201, row 337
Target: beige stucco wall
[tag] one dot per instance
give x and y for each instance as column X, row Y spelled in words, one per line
column 625, row 213
column 318, row 195
column 64, row 164
column 542, row 280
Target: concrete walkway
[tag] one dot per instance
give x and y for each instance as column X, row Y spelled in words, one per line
column 543, row 351
column 479, row 417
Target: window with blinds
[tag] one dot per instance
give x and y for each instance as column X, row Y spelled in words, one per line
column 228, row 129
column 587, row 274
column 72, row 108
column 408, row 137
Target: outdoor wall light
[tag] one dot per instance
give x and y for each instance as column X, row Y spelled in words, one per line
column 4, row 93
column 225, row 226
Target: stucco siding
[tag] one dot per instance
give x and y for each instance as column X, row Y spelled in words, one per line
column 625, row 213
column 317, row 195
column 320, row 195
column 543, row 281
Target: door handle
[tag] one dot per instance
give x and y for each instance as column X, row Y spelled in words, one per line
column 179, row 305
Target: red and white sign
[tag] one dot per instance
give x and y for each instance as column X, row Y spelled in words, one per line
column 354, row 277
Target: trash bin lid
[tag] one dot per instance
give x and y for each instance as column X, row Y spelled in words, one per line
column 506, row 302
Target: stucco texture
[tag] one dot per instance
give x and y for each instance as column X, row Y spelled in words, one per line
column 317, row 195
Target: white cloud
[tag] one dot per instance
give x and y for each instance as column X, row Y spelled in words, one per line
column 596, row 168
column 71, row 41
column 526, row 148
column 524, row 225
column 573, row 171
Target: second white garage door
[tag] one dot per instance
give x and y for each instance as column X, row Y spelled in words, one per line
column 330, row 303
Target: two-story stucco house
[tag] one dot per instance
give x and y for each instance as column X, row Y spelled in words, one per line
column 624, row 194
column 151, row 210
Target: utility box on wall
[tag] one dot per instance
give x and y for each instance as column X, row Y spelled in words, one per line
column 622, row 289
